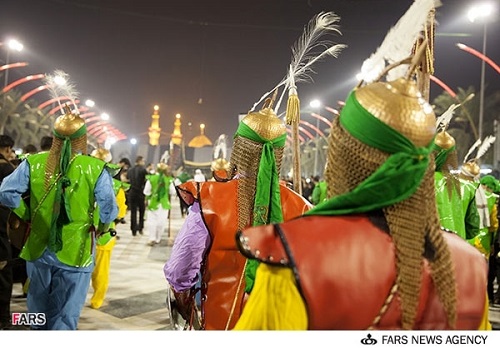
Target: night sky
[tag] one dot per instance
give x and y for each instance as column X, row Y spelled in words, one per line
column 212, row 60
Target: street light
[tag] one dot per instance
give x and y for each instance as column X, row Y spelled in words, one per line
column 15, row 46
column 481, row 11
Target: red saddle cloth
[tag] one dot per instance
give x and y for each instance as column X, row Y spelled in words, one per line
column 345, row 267
column 223, row 263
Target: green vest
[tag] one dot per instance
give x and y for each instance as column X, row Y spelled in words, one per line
column 160, row 185
column 77, row 241
column 483, row 240
column 319, row 192
column 457, row 214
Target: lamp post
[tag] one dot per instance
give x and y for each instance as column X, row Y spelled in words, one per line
column 11, row 45
column 133, row 147
column 481, row 11
column 316, row 105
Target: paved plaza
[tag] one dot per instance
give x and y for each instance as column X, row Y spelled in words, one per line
column 138, row 289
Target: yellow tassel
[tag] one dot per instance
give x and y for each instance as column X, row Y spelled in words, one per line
column 293, row 108
column 275, row 302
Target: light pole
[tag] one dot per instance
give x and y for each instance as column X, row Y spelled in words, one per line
column 11, row 45
column 481, row 11
column 316, row 104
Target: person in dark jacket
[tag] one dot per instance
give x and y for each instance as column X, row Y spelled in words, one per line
column 6, row 280
column 136, row 198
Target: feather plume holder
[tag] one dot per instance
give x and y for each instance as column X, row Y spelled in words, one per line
column 292, row 107
column 413, row 61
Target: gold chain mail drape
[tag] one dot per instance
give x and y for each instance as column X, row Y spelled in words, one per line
column 78, row 145
column 350, row 162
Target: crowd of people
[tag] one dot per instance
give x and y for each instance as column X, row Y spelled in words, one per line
column 388, row 237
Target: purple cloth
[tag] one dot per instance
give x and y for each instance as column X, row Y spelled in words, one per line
column 182, row 268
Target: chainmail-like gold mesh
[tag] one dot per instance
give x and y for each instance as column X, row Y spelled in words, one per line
column 451, row 162
column 452, row 182
column 349, row 163
column 78, row 145
column 245, row 155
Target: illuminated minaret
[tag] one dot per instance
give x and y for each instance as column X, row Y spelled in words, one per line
column 177, row 134
column 154, row 129
column 176, row 145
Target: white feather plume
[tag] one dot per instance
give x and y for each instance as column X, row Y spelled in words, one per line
column 398, row 42
column 472, row 148
column 305, row 52
column 485, row 145
column 444, row 120
column 220, row 147
column 59, row 86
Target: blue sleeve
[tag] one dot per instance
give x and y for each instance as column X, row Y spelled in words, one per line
column 14, row 185
column 105, row 198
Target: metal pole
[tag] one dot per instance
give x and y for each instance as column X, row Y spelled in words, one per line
column 4, row 109
column 316, row 149
column 481, row 93
column 6, row 70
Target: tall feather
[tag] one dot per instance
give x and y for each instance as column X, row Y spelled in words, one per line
column 59, row 86
column 443, row 121
column 398, row 43
column 304, row 52
column 487, row 142
column 472, row 148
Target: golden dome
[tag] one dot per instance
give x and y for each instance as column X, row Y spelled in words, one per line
column 102, row 154
column 265, row 122
column 220, row 164
column 400, row 105
column 68, row 123
column 444, row 140
column 200, row 140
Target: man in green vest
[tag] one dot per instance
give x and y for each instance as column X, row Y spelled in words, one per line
column 455, row 197
column 105, row 243
column 319, row 191
column 157, row 192
column 484, row 240
column 488, row 244
column 63, row 184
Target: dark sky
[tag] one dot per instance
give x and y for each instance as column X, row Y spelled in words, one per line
column 130, row 55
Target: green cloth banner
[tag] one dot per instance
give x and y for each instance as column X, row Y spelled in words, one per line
column 394, row 181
